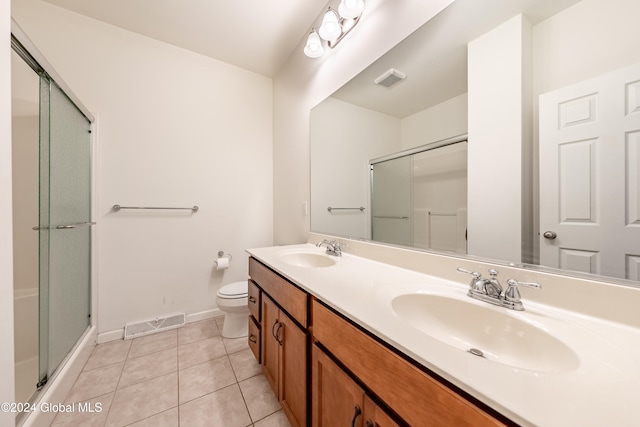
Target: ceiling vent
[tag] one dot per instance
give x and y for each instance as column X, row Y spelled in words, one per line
column 390, row 77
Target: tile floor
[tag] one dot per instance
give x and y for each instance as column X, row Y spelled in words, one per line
column 185, row 377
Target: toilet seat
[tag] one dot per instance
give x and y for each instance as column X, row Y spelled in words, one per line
column 235, row 290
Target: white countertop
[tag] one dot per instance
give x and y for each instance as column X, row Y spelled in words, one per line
column 600, row 390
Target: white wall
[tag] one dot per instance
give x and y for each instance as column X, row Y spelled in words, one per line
column 447, row 119
column 6, row 245
column 498, row 105
column 304, row 82
column 586, row 40
column 343, row 138
column 175, row 129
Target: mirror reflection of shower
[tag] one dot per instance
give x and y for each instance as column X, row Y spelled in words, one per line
column 419, row 197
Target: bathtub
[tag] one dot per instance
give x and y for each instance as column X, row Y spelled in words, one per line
column 25, row 305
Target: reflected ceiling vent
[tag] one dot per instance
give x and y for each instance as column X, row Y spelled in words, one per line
column 390, row 77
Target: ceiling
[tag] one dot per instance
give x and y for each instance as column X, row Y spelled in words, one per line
column 254, row 35
column 434, row 57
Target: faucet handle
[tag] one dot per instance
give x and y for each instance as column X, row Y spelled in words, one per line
column 322, row 242
column 514, row 283
column 512, row 294
column 477, row 282
column 475, row 274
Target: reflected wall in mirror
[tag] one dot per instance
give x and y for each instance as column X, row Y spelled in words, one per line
column 516, row 76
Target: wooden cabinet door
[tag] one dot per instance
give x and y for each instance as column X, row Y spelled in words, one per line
column 336, row 399
column 292, row 391
column 375, row 416
column 270, row 345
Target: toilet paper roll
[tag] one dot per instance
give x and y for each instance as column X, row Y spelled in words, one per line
column 222, row 263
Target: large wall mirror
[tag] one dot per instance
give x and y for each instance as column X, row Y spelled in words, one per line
column 514, row 136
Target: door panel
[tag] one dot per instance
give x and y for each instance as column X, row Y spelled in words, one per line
column 64, row 226
column 336, row 397
column 70, row 231
column 270, row 346
column 392, row 201
column 590, row 179
column 293, row 372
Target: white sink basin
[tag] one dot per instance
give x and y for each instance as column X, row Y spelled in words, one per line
column 306, row 258
column 486, row 331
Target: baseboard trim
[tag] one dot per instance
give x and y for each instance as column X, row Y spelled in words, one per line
column 118, row 334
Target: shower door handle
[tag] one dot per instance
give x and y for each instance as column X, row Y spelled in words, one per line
column 66, row 226
column 76, row 225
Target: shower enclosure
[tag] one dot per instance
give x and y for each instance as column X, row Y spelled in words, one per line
column 419, row 196
column 62, row 204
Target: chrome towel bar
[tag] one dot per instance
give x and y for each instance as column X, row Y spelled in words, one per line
column 361, row 209
column 118, row 207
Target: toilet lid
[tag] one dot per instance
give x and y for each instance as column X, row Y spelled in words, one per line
column 234, row 290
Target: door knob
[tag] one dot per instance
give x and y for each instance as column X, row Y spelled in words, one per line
column 550, row 235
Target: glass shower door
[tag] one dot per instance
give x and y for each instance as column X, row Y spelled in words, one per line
column 392, row 201
column 65, row 220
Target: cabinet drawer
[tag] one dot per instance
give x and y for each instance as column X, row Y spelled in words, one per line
column 254, row 301
column 292, row 299
column 254, row 338
column 413, row 394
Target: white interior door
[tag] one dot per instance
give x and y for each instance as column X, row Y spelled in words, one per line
column 590, row 176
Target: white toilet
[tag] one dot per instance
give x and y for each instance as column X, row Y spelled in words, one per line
column 233, row 300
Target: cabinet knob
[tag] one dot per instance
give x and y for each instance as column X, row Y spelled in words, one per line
column 252, row 299
column 253, row 339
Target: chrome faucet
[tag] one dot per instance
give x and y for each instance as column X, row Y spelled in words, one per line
column 333, row 247
column 490, row 290
column 492, row 286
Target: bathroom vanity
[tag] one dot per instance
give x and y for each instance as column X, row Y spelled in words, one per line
column 353, row 341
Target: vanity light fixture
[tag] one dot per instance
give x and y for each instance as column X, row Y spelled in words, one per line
column 313, row 48
column 335, row 25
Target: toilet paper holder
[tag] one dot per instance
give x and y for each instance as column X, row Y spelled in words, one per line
column 221, row 254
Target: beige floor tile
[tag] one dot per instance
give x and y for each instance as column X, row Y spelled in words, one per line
column 197, row 331
column 170, row 418
column 205, row 378
column 107, row 354
column 150, row 366
column 245, row 364
column 91, row 413
column 153, row 343
column 279, row 419
column 200, row 351
column 219, row 321
column 234, row 345
column 142, row 400
column 259, row 397
column 221, row 408
column 95, row 382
